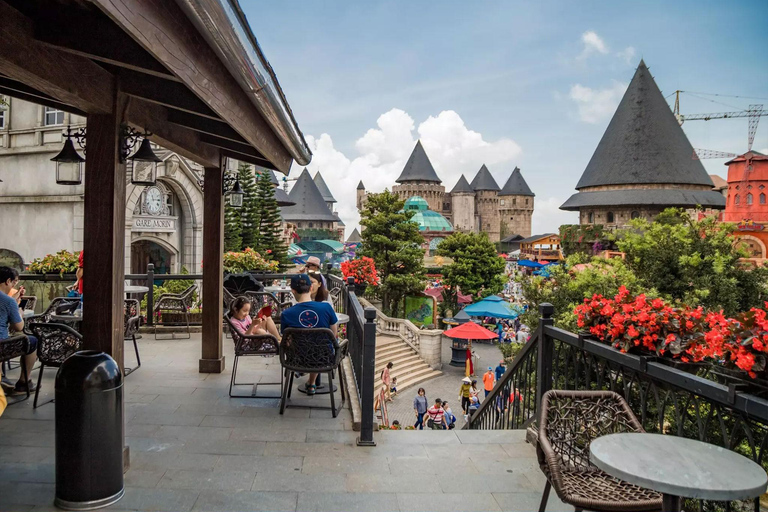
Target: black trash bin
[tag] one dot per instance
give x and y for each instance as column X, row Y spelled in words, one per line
column 89, row 432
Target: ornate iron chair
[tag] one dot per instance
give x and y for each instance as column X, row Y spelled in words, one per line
column 251, row 345
column 176, row 303
column 261, row 299
column 55, row 343
column 31, row 302
column 45, row 316
column 311, row 351
column 11, row 348
column 570, row 420
column 132, row 322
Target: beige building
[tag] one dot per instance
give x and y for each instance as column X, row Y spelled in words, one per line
column 472, row 207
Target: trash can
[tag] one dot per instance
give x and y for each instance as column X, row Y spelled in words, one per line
column 89, row 432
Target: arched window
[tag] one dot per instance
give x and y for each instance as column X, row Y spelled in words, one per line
column 749, row 198
column 762, row 198
column 609, row 217
column 311, row 225
column 736, row 199
column 591, row 217
column 635, row 215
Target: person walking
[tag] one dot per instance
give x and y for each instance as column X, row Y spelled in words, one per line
column 420, row 408
column 500, row 370
column 488, row 381
column 387, row 380
column 436, row 416
column 464, row 395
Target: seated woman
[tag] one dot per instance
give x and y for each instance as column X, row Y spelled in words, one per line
column 318, row 291
column 239, row 312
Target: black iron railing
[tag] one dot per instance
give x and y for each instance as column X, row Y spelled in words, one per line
column 683, row 401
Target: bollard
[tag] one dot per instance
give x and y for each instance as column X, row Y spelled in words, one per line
column 89, row 432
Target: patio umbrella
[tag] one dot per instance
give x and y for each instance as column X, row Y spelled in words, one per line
column 529, row 263
column 493, row 306
column 238, row 284
column 436, row 292
column 470, row 331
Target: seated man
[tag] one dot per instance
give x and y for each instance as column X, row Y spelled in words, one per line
column 308, row 314
column 11, row 316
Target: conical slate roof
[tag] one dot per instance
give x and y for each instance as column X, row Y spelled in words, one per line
column 310, row 204
column 272, row 177
column 643, row 143
column 282, row 198
column 418, row 167
column 516, row 185
column 462, row 186
column 354, row 237
column 324, row 190
column 360, row 185
column 484, row 181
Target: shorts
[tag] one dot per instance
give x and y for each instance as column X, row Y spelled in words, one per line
column 32, row 344
column 393, row 390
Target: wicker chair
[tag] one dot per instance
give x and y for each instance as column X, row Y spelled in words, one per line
column 55, row 343
column 261, row 299
column 13, row 347
column 311, row 351
column 176, row 303
column 570, row 420
column 263, row 345
column 132, row 322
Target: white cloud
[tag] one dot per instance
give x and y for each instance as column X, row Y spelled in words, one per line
column 596, row 105
column 452, row 148
column 593, row 43
column 548, row 217
column 627, row 54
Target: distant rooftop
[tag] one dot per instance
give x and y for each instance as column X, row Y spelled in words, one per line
column 484, row 181
column 516, row 185
column 418, row 167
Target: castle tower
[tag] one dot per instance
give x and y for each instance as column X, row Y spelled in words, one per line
column 310, row 210
column 420, row 179
column 360, row 195
column 487, row 203
column 463, row 203
column 325, row 191
column 516, row 206
column 643, row 164
column 747, row 203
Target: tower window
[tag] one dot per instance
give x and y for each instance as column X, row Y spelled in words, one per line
column 749, row 198
column 609, row 217
column 762, row 198
column 526, row 201
column 635, row 215
column 514, row 200
column 591, row 217
column 737, row 199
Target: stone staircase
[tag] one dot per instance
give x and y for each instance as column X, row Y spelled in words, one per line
column 410, row 369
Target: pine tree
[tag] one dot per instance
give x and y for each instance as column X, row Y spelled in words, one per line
column 233, row 239
column 270, row 223
column 249, row 212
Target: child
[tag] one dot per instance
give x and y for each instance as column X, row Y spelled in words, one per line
column 393, row 388
column 395, row 425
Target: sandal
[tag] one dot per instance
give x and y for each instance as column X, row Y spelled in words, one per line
column 311, row 388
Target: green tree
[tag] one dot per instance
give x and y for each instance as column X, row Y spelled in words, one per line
column 269, row 222
column 692, row 261
column 249, row 212
column 394, row 243
column 476, row 268
column 233, row 239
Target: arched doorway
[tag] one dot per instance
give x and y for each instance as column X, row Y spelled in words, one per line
column 144, row 252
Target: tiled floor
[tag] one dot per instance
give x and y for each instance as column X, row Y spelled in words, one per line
column 194, row 448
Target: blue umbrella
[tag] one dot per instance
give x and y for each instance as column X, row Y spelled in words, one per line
column 492, row 306
column 529, row 263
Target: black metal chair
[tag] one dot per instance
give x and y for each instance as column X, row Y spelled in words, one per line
column 132, row 322
column 176, row 303
column 264, row 345
column 45, row 316
column 55, row 343
column 311, row 351
column 11, row 348
column 31, row 302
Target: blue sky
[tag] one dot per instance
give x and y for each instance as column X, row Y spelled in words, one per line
column 520, row 84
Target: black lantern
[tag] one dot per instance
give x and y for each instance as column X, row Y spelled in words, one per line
column 144, row 164
column 236, row 195
column 69, row 163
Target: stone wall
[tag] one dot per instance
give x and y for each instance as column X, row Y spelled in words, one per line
column 431, row 192
column 516, row 213
column 487, row 204
column 621, row 215
column 463, row 216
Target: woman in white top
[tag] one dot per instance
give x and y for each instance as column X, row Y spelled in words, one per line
column 318, row 291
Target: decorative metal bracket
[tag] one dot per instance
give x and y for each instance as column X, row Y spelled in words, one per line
column 79, row 135
column 129, row 139
column 227, row 182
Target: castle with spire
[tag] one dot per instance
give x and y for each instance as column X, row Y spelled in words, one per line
column 480, row 205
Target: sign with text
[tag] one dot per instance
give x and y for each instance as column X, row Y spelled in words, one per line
column 154, row 224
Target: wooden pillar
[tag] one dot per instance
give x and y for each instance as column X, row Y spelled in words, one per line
column 212, row 360
column 104, row 237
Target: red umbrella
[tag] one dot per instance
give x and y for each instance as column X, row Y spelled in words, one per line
column 471, row 331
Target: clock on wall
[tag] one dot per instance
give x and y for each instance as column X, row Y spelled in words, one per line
column 153, row 200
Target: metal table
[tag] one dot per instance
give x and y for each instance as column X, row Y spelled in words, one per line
column 281, row 292
column 129, row 289
column 678, row 468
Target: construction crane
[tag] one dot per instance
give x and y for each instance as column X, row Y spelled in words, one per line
column 754, row 112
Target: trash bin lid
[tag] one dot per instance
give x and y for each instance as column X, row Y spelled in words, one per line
column 88, row 371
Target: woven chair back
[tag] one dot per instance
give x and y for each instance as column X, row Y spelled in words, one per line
column 55, row 342
column 260, row 344
column 309, row 350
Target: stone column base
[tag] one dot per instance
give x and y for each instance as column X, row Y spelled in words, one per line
column 212, row 365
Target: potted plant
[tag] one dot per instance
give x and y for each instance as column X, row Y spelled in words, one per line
column 363, row 270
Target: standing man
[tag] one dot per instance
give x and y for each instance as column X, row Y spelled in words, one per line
column 488, row 381
column 11, row 316
column 500, row 370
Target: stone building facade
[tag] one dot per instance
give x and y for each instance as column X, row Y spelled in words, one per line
column 163, row 222
column 471, row 207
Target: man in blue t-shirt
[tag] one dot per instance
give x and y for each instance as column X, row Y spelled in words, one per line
column 11, row 316
column 308, row 314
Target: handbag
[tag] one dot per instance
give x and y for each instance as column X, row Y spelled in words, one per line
column 431, row 423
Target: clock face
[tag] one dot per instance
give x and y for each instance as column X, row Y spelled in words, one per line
column 154, row 200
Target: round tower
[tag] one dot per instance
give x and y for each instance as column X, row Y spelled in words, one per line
column 463, row 206
column 420, row 179
column 746, row 204
column 516, row 206
column 487, row 203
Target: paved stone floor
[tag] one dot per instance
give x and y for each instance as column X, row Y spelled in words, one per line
column 195, row 449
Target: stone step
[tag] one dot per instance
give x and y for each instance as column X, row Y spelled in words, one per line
column 417, row 378
column 393, row 350
column 381, row 363
column 403, row 370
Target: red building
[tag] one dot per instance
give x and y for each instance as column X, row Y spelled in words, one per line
column 746, row 204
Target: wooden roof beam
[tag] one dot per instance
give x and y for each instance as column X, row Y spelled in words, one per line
column 204, row 125
column 70, row 79
column 16, row 89
column 166, row 33
column 246, row 152
column 169, row 94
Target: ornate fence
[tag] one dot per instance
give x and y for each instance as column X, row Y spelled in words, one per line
column 683, row 401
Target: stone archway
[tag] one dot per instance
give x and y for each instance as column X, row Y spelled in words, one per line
column 754, row 246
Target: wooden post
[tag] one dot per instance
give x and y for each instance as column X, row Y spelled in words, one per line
column 212, row 360
column 104, row 237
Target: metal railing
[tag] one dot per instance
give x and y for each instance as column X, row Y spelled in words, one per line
column 686, row 401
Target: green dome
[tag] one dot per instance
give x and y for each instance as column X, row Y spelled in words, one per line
column 416, row 203
column 427, row 219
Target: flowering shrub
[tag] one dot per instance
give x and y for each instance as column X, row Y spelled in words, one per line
column 690, row 334
column 362, row 269
column 63, row 262
column 236, row 262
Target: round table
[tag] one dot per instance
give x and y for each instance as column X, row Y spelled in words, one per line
column 343, row 319
column 69, row 320
column 135, row 289
column 280, row 292
column 27, row 313
column 678, row 468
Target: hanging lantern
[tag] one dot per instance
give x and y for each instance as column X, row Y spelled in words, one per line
column 144, row 164
column 69, row 164
column 236, row 195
